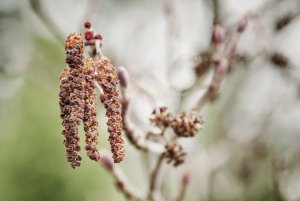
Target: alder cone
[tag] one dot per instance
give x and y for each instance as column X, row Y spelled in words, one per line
column 185, row 125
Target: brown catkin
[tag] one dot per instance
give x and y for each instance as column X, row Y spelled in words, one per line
column 72, row 97
column 108, row 80
column 90, row 123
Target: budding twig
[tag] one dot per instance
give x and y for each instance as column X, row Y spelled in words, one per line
column 220, row 70
column 98, row 49
column 216, row 11
column 221, row 61
column 153, row 194
column 233, row 41
column 183, row 186
column 136, row 140
column 120, row 179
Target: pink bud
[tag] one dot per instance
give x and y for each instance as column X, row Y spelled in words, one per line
column 218, row 34
column 107, row 162
column 123, row 76
column 222, row 66
column 87, row 25
column 242, row 24
column 185, row 178
column 98, row 36
column 102, row 97
column 89, row 35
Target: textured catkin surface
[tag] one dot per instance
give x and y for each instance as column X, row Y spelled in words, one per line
column 89, row 120
column 108, row 80
column 72, row 97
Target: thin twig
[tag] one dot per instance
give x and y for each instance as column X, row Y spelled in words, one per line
column 98, row 49
column 275, row 167
column 121, row 181
column 216, row 11
column 221, row 63
column 183, row 187
column 214, row 85
column 172, row 38
column 153, row 179
column 136, row 140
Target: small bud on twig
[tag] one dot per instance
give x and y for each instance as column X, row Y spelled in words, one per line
column 222, row 67
column 218, row 34
column 203, row 63
column 283, row 21
column 89, row 35
column 279, row 60
column 98, row 37
column 107, row 162
column 185, row 178
column 123, row 76
column 242, row 25
column 87, row 24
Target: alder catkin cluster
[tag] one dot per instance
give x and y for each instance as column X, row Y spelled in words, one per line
column 183, row 125
column 78, row 100
column 108, row 80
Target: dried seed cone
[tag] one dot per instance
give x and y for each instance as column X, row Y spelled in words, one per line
column 174, row 153
column 108, row 80
column 90, row 123
column 161, row 118
column 72, row 97
column 187, row 125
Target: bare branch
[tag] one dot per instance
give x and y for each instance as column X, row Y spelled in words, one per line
column 136, row 140
column 37, row 8
column 183, row 187
column 154, row 194
column 121, row 181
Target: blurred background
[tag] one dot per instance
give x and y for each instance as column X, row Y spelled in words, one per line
column 249, row 148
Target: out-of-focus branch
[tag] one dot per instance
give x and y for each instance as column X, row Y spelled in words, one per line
column 220, row 70
column 234, row 39
column 136, row 140
column 269, row 4
column 216, row 12
column 154, row 194
column 121, row 181
column 221, row 59
column 91, row 9
column 37, row 8
column 183, row 187
column 276, row 167
column 172, row 38
column 129, row 129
